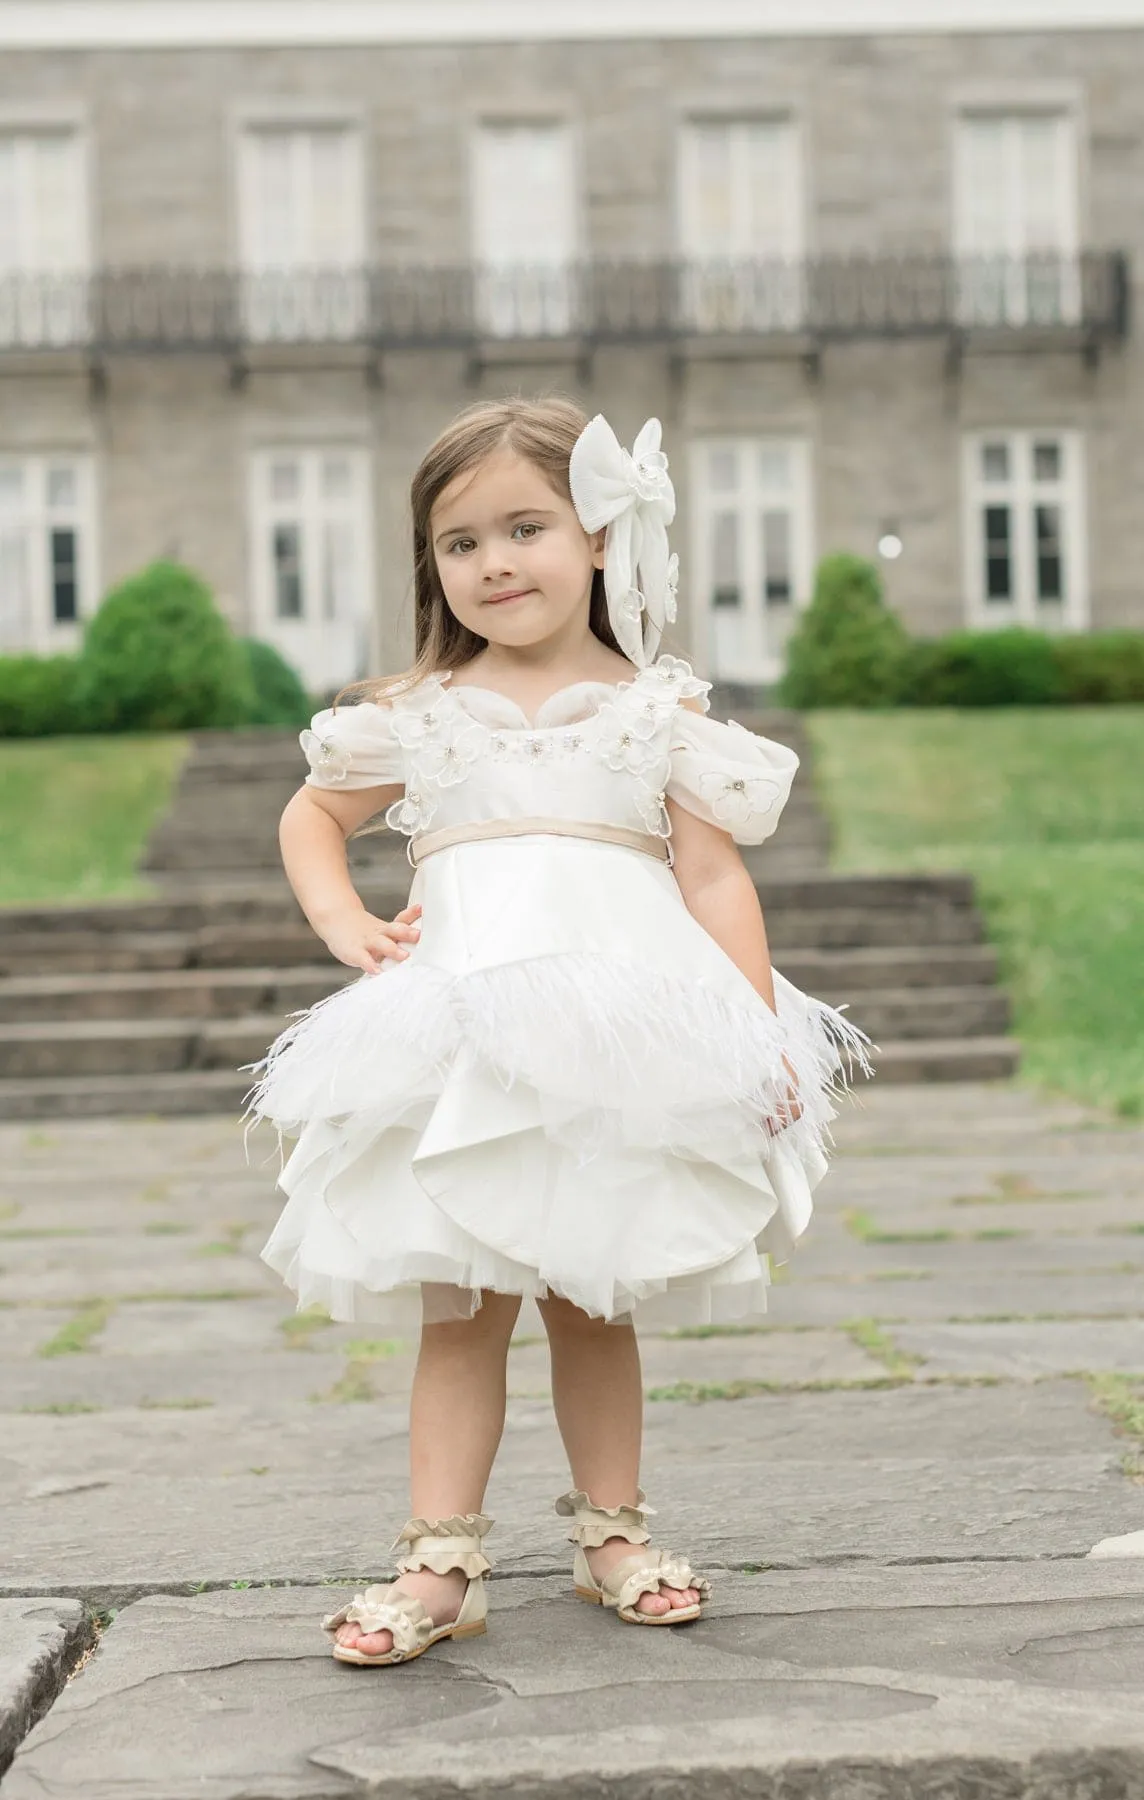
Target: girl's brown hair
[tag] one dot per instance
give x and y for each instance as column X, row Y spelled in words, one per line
column 543, row 433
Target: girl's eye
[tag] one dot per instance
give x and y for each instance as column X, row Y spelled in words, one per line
column 527, row 525
column 461, row 544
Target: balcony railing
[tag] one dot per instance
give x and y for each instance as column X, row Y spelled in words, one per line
column 597, row 302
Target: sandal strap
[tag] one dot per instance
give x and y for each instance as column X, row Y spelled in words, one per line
column 646, row 1574
column 594, row 1525
column 443, row 1544
column 381, row 1610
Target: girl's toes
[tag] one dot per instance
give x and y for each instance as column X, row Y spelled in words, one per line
column 682, row 1596
column 653, row 1603
column 375, row 1643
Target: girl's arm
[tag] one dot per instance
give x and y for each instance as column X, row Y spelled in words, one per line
column 718, row 891
column 312, row 836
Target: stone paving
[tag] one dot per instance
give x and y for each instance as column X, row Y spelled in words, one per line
column 897, row 1481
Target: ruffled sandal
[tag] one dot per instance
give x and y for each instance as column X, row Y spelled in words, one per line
column 438, row 1545
column 645, row 1573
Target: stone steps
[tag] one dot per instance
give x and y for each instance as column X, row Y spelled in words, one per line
column 199, row 1040
column 219, row 992
column 190, row 1091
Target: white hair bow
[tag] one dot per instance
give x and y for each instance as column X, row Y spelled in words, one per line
column 631, row 494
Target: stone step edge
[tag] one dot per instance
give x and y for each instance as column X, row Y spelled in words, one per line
column 77, row 1030
column 201, row 1091
column 973, row 957
column 274, row 898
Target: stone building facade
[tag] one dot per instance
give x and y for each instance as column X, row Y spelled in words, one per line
column 878, row 285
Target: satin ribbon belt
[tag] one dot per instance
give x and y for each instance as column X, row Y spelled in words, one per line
column 427, row 843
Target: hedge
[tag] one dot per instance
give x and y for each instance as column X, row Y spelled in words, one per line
column 158, row 655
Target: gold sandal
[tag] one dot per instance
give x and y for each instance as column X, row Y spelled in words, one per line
column 645, row 1573
column 438, row 1545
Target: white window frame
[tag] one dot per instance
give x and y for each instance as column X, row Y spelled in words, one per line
column 1021, row 492
column 1019, row 284
column 295, row 300
column 741, row 291
column 44, row 302
column 42, row 634
column 748, row 502
column 326, row 652
column 534, row 300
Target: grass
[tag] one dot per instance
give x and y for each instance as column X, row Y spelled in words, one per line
column 869, row 1335
column 299, row 1329
column 76, row 812
column 81, row 1330
column 1045, row 808
column 1121, row 1399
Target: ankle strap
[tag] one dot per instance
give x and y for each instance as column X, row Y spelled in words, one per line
column 443, row 1544
column 594, row 1525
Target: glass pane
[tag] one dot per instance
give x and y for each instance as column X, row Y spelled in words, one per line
column 288, row 571
column 711, row 224
column 998, row 553
column 1046, row 462
column 337, row 478
column 1050, row 566
column 11, row 487
column 995, row 462
column 725, row 590
column 15, row 615
column 774, row 468
column 338, row 562
column 64, row 585
column 285, row 481
column 61, row 488
column 723, row 470
column 776, row 558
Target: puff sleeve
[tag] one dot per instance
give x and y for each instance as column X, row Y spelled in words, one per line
column 729, row 776
column 353, row 747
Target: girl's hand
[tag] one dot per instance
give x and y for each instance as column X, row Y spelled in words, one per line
column 789, row 1112
column 357, row 938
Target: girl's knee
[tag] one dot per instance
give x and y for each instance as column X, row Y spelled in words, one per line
column 563, row 1319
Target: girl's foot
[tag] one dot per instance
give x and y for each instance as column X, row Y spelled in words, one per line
column 603, row 1560
column 441, row 1596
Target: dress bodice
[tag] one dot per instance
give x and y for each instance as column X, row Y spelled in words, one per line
column 611, row 753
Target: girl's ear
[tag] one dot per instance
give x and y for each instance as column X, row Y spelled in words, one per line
column 597, row 541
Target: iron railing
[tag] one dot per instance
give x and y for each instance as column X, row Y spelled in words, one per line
column 597, row 302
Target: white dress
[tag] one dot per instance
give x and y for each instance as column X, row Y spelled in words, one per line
column 562, row 1090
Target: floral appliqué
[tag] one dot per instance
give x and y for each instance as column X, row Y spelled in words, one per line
column 326, row 758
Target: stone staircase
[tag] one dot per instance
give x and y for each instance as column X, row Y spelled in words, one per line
column 150, row 1006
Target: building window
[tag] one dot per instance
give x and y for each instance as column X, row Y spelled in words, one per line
column 47, row 576
column 751, row 550
column 302, row 232
column 741, row 219
column 525, row 228
column 1016, row 219
column 312, row 576
column 44, row 239
column 1025, row 529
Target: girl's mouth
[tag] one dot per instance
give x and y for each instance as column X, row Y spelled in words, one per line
column 515, row 594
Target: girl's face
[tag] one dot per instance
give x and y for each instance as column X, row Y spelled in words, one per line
column 514, row 560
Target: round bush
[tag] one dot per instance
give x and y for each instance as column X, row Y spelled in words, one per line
column 1100, row 667
column 38, row 696
column 1012, row 666
column 848, row 649
column 159, row 656
column 279, row 697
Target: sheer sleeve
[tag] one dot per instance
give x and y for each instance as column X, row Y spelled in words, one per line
column 729, row 776
column 353, row 747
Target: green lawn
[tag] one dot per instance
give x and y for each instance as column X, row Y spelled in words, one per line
column 1045, row 807
column 75, row 813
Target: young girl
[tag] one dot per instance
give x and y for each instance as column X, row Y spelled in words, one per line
column 568, row 1071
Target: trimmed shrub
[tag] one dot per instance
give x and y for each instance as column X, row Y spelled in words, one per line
column 159, row 656
column 1009, row 667
column 38, row 696
column 848, row 648
column 1100, row 667
column 279, row 697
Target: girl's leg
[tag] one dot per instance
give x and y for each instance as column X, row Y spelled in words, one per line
column 597, row 1391
column 456, row 1418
